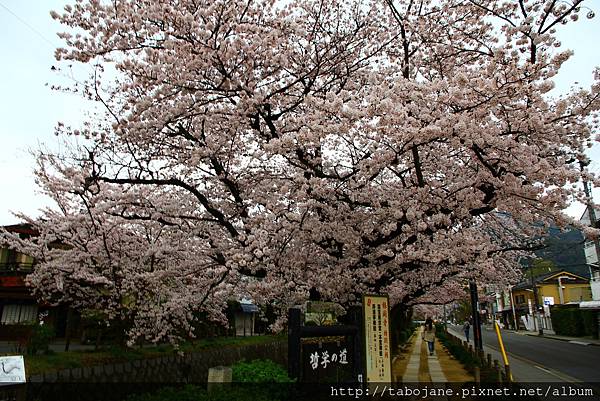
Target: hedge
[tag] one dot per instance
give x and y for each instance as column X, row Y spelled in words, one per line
column 258, row 380
column 572, row 321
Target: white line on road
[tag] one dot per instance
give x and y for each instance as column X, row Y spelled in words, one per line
column 562, row 376
column 579, row 342
column 544, row 369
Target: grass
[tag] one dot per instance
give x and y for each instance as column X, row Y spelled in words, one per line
column 37, row 364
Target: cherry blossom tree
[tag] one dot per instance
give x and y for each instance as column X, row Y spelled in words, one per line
column 281, row 149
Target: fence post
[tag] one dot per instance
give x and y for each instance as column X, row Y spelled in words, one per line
column 507, row 372
column 498, row 371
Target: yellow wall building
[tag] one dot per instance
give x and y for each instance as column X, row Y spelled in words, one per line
column 574, row 289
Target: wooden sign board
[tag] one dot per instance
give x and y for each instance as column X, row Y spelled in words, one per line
column 377, row 338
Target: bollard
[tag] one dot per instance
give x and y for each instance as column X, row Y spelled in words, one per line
column 218, row 376
column 489, row 361
column 477, row 375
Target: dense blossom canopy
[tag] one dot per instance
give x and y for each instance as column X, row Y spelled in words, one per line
column 269, row 148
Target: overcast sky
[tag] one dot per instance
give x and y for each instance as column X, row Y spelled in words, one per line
column 29, row 109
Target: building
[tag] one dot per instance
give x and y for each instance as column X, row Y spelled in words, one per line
column 19, row 309
column 554, row 288
column 591, row 254
column 500, row 306
column 245, row 319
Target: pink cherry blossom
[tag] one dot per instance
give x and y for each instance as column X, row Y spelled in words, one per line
column 262, row 149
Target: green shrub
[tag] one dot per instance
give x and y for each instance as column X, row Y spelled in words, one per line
column 590, row 323
column 402, row 337
column 246, row 375
column 196, row 393
column 187, row 393
column 405, row 334
column 572, row 321
column 41, row 335
column 259, row 371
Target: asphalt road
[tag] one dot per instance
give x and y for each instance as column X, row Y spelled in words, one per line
column 581, row 362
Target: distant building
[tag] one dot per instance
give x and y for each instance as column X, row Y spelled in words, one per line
column 245, row 319
column 554, row 288
column 19, row 309
column 501, row 306
column 572, row 288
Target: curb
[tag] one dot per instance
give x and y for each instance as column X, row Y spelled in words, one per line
column 572, row 341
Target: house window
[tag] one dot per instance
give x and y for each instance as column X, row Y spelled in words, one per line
column 16, row 314
column 520, row 299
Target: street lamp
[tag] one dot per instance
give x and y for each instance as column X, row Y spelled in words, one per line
column 560, row 288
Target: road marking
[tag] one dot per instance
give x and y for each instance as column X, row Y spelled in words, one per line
column 560, row 375
column 579, row 342
column 544, row 369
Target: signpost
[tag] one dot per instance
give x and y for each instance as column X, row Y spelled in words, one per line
column 364, row 350
column 377, row 338
column 12, row 370
column 309, row 362
column 548, row 300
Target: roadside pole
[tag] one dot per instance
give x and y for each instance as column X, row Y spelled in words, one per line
column 512, row 304
column 477, row 340
column 503, row 352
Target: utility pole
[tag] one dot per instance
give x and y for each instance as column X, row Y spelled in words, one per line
column 512, row 305
column 477, row 340
column 444, row 315
column 537, row 315
column 591, row 216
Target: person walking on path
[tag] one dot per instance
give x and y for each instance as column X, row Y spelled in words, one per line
column 429, row 335
column 466, row 328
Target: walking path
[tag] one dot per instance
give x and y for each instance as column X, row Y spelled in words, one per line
column 415, row 365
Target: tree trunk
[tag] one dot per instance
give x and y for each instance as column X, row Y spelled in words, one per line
column 98, row 335
column 68, row 328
